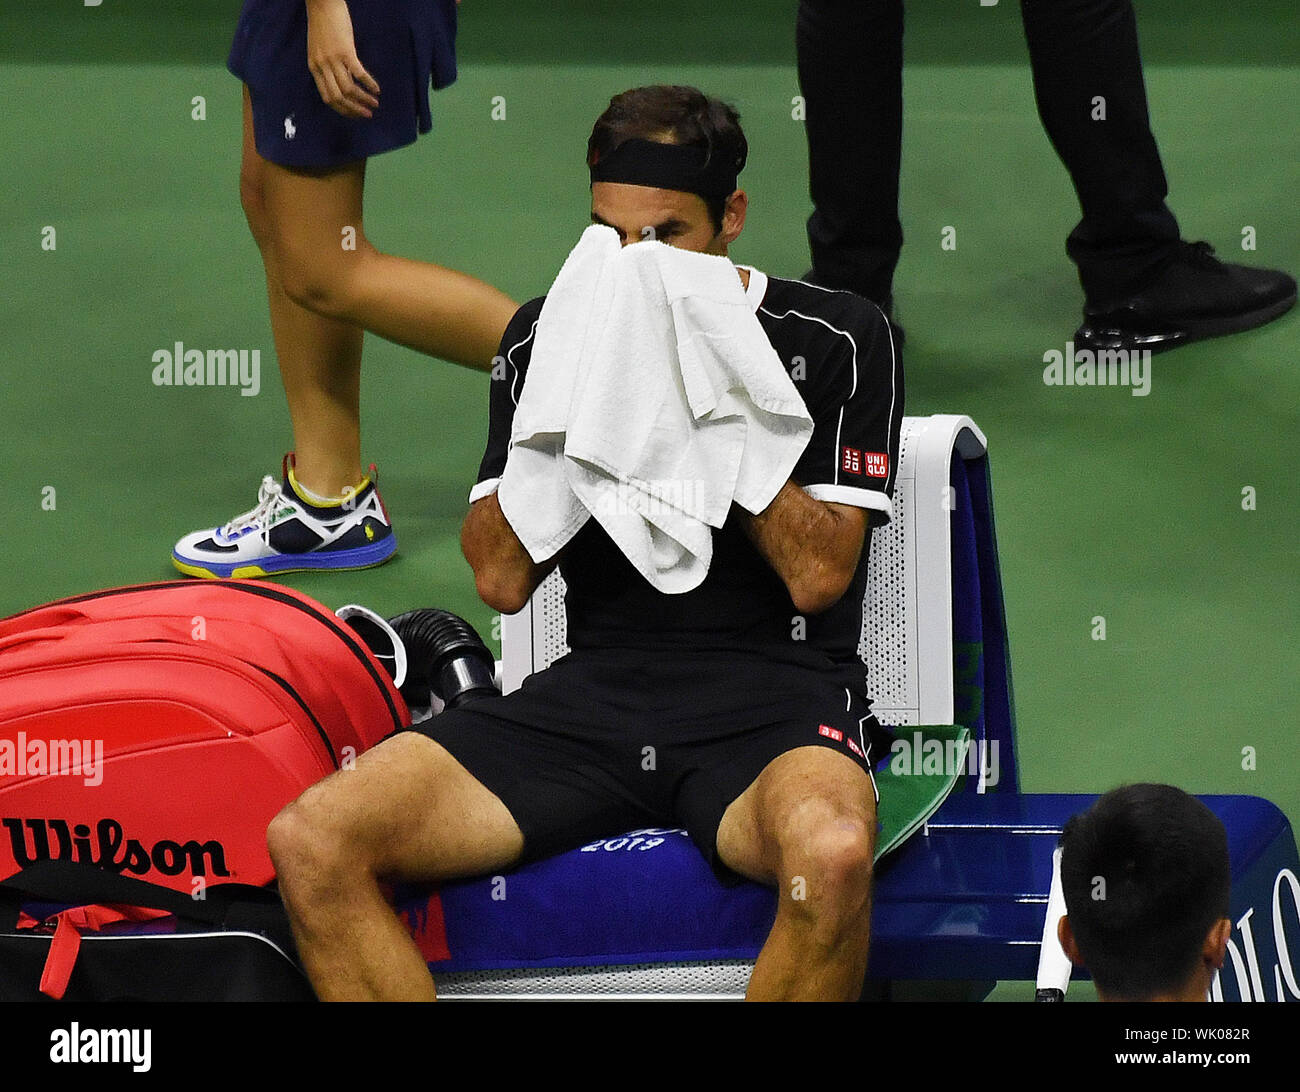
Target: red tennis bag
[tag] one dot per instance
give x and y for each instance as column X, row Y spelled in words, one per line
column 156, row 730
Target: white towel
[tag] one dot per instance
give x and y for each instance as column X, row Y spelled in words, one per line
column 653, row 401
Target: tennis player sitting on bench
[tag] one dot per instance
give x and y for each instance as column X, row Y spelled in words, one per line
column 1146, row 879
column 747, row 692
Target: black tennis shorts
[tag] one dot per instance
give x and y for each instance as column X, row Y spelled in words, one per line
column 602, row 742
column 406, row 45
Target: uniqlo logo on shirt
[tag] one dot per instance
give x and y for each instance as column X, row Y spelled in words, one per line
column 875, row 464
column 855, row 748
column 830, row 733
column 852, row 461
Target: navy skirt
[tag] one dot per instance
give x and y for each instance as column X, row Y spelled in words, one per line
column 406, row 45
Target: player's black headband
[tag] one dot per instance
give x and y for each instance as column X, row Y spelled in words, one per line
column 666, row 167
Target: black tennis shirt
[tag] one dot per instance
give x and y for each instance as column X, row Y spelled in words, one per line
column 837, row 348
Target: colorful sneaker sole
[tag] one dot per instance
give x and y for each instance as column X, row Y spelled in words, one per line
column 360, row 557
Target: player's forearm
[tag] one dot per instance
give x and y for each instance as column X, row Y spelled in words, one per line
column 813, row 547
column 503, row 572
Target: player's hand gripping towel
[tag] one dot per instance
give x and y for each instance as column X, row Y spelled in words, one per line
column 655, row 401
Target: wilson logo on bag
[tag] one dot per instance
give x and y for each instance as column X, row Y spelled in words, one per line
column 32, row 840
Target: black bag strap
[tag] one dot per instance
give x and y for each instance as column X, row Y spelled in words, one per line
column 226, row 905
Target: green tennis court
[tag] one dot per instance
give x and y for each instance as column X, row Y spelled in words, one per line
column 1170, row 516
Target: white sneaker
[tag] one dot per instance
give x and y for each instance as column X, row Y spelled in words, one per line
column 285, row 533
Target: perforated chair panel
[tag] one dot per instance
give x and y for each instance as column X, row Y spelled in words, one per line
column 888, row 641
column 552, row 621
column 715, row 980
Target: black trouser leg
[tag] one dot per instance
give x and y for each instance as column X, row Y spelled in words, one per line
column 850, row 55
column 1082, row 50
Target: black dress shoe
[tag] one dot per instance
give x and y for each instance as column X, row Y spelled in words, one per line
column 887, row 305
column 1191, row 296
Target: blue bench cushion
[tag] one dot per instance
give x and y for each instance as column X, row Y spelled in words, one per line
column 964, row 899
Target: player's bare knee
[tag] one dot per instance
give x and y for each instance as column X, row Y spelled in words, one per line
column 827, row 870
column 305, row 841
column 289, row 841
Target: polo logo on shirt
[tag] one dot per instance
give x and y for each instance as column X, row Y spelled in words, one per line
column 851, row 463
column 875, row 464
column 290, row 129
column 830, row 733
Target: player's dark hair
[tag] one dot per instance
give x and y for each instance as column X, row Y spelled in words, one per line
column 1145, row 875
column 673, row 114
